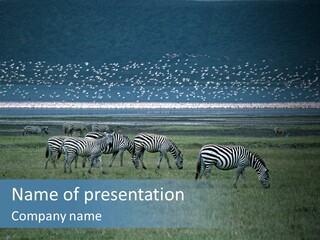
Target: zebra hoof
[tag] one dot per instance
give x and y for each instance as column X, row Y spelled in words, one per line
column 89, row 171
column 144, row 167
column 104, row 172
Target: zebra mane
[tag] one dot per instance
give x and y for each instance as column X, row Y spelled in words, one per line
column 257, row 157
column 174, row 145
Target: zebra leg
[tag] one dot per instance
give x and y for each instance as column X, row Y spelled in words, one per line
column 121, row 157
column 201, row 170
column 141, row 160
column 239, row 172
column 48, row 158
column 159, row 160
column 76, row 161
column 68, row 160
column 102, row 167
column 65, row 162
column 72, row 157
column 207, row 173
column 84, row 159
column 167, row 158
column 54, row 161
column 91, row 163
column 113, row 157
column 92, row 159
column 53, row 157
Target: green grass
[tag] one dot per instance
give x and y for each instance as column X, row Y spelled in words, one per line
column 288, row 210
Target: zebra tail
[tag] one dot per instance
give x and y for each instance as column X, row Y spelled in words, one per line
column 47, row 151
column 198, row 166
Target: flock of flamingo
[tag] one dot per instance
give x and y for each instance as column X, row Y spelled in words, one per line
column 172, row 78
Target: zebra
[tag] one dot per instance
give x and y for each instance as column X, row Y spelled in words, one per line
column 35, row 130
column 230, row 157
column 101, row 128
column 93, row 148
column 280, row 131
column 69, row 128
column 120, row 143
column 54, row 150
column 155, row 143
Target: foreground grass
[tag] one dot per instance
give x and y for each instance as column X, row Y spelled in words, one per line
column 289, row 210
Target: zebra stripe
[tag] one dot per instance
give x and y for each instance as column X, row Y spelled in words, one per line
column 101, row 128
column 93, row 148
column 69, row 128
column 35, row 130
column 120, row 143
column 230, row 157
column 54, row 150
column 155, row 143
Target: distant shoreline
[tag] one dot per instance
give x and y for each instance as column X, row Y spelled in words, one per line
column 156, row 109
column 156, row 105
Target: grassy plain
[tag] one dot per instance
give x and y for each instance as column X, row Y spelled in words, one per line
column 288, row 210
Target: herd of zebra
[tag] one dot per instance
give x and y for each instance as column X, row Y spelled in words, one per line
column 102, row 140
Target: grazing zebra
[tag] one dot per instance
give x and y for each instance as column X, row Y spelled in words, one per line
column 69, row 128
column 230, row 157
column 279, row 131
column 120, row 143
column 155, row 143
column 93, row 148
column 34, row 130
column 101, row 128
column 54, row 150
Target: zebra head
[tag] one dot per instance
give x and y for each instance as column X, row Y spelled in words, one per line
column 44, row 129
column 264, row 177
column 179, row 161
column 135, row 160
column 108, row 138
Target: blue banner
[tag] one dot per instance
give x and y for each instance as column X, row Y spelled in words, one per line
column 101, row 204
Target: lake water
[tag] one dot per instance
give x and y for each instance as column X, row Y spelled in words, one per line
column 157, row 109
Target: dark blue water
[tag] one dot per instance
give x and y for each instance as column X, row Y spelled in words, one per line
column 160, row 51
column 159, row 112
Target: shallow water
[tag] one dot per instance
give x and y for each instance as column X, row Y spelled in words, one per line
column 158, row 112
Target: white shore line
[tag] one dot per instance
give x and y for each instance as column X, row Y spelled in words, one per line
column 155, row 105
